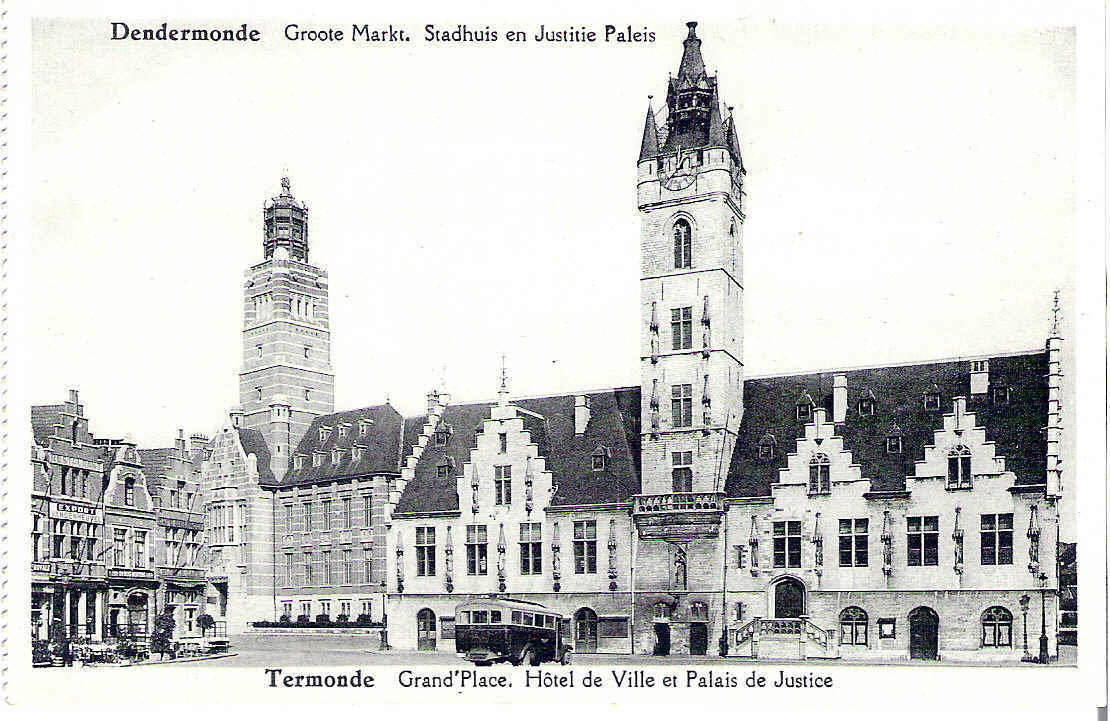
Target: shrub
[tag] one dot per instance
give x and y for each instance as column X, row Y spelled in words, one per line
column 323, row 619
column 163, row 634
column 341, row 618
column 364, row 620
column 302, row 619
column 40, row 650
column 284, row 618
column 205, row 622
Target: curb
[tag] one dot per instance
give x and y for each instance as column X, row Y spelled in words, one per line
column 186, row 660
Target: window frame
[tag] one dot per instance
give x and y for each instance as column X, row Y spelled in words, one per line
column 585, row 547
column 853, row 538
column 786, row 540
column 921, row 539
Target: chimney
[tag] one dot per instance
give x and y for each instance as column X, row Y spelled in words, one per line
column 581, row 414
column 433, row 401
column 73, row 396
column 179, row 443
column 840, row 397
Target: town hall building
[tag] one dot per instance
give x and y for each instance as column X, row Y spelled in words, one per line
column 905, row 511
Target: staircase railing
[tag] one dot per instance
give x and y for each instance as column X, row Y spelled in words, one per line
column 745, row 632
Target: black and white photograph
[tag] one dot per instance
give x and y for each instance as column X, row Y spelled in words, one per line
column 462, row 354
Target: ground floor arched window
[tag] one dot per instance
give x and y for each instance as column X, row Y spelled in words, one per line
column 998, row 624
column 585, row 631
column 853, row 626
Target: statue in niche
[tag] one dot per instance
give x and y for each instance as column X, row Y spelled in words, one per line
column 680, row 567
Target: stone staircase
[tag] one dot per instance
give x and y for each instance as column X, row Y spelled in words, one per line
column 784, row 639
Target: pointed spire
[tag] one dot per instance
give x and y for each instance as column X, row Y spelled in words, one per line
column 732, row 141
column 717, row 135
column 649, row 146
column 503, row 390
column 692, row 67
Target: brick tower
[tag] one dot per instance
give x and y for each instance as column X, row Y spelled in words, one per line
column 689, row 191
column 286, row 379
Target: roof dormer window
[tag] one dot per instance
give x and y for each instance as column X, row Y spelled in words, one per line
column 356, row 454
column 317, row 458
column 443, row 470
column 803, row 412
column 336, row 455
column 1000, row 395
column 364, row 426
column 766, row 447
column 866, row 404
column 931, row 399
column 298, row 462
column 343, row 430
column 441, row 437
column 894, row 444
column 600, row 458
column 324, row 433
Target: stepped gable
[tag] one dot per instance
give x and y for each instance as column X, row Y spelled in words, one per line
column 1015, row 427
column 253, row 442
column 614, row 425
column 425, row 492
column 381, row 446
column 43, row 419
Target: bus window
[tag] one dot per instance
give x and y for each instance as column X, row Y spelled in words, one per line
column 527, row 619
column 539, row 620
column 480, row 617
column 495, row 617
column 549, row 621
column 464, row 617
column 516, row 617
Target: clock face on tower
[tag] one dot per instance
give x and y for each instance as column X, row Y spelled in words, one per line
column 680, row 179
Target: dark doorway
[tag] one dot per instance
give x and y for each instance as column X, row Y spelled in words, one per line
column 585, row 631
column 790, row 598
column 699, row 639
column 426, row 630
column 662, row 639
column 924, row 625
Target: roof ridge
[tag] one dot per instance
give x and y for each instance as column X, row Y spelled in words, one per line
column 899, row 364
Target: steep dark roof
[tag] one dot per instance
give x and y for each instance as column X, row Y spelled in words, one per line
column 43, row 419
column 1015, row 427
column 614, row 425
column 381, row 446
column 253, row 442
column 649, row 145
column 691, row 68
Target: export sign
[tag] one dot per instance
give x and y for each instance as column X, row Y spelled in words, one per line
column 76, row 512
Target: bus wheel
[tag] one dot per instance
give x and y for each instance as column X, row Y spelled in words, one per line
column 483, row 663
column 528, row 658
column 565, row 658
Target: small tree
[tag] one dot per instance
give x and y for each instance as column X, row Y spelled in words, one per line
column 205, row 622
column 161, row 639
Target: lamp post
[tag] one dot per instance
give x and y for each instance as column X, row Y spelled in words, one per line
column 1024, row 603
column 1043, row 657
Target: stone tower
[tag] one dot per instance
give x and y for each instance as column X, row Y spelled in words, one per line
column 689, row 192
column 286, row 379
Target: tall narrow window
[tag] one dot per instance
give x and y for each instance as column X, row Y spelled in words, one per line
column 477, row 548
column 503, row 484
column 819, row 474
column 288, row 517
column 308, row 575
column 853, row 541
column 996, row 539
column 119, row 546
column 503, row 442
column 140, row 549
column 682, row 472
column 348, row 567
column 682, row 245
column 922, row 533
column 787, row 537
column 326, row 575
column 959, row 467
column 345, row 519
column 682, row 405
column 129, row 492
column 289, row 574
column 308, row 517
column 425, row 551
column 325, row 515
column 682, row 328
column 531, row 549
column 585, row 546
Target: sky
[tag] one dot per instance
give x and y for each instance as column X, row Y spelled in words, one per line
column 910, row 196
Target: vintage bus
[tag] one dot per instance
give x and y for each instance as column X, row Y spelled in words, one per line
column 492, row 630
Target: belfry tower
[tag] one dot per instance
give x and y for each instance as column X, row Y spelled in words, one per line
column 690, row 192
column 286, row 379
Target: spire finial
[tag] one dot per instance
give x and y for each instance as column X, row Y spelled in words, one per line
column 285, row 184
column 504, row 375
column 1055, row 331
column 692, row 35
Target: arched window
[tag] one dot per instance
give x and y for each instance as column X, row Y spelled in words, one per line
column 129, row 492
column 853, row 626
column 998, row 625
column 959, row 467
column 819, row 473
column 661, row 612
column 585, row 630
column 699, row 611
column 767, row 447
column 683, row 255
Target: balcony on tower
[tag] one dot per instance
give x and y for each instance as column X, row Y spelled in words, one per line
column 679, row 516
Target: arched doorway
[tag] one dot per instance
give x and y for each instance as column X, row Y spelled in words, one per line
column 585, row 631
column 426, row 630
column 924, row 633
column 790, row 598
column 662, row 618
column 699, row 629
column 137, row 614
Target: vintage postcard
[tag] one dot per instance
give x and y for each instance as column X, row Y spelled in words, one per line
column 719, row 355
